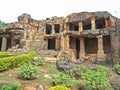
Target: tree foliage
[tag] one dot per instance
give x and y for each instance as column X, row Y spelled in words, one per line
column 2, row 24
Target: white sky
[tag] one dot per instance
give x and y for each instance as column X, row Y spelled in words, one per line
column 40, row 9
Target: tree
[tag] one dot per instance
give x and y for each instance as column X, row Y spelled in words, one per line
column 2, row 24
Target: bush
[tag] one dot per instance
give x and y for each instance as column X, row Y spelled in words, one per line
column 58, row 88
column 79, row 70
column 29, row 71
column 15, row 61
column 95, row 80
column 39, row 60
column 64, row 79
column 11, row 87
column 4, row 53
column 117, row 68
column 105, row 70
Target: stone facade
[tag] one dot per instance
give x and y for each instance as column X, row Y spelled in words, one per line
column 90, row 36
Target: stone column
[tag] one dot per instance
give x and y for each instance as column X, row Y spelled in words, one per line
column 53, row 29
column 93, row 27
column 66, row 26
column 80, row 26
column 4, row 44
column 66, row 42
column 57, row 43
column 107, row 23
column 100, row 53
column 82, row 48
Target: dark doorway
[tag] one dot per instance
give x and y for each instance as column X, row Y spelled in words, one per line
column 91, row 45
column 106, row 44
column 51, row 44
column 77, row 48
column 48, row 29
column 57, row 28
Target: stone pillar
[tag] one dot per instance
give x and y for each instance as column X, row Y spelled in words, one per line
column 65, row 42
column 53, row 29
column 115, row 45
column 66, row 26
column 57, row 44
column 107, row 23
column 31, row 35
column 4, row 44
column 82, row 48
column 80, row 26
column 100, row 53
column 93, row 27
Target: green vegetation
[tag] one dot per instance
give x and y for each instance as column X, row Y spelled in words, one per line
column 95, row 80
column 105, row 70
column 11, row 87
column 29, row 71
column 58, row 88
column 117, row 68
column 4, row 53
column 2, row 24
column 15, row 61
column 39, row 60
column 64, row 79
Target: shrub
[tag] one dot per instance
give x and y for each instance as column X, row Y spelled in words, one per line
column 95, row 80
column 39, row 60
column 11, row 87
column 58, row 88
column 79, row 70
column 15, row 61
column 105, row 70
column 117, row 68
column 29, row 71
column 64, row 79
column 4, row 53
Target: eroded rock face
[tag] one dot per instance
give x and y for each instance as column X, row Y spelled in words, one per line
column 65, row 64
column 115, row 82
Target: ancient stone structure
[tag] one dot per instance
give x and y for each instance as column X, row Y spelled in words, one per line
column 90, row 36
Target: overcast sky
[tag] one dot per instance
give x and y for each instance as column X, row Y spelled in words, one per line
column 40, row 9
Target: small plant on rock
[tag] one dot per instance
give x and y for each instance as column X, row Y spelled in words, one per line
column 117, row 68
column 29, row 71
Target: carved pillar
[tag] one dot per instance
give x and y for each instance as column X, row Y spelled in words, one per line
column 82, row 47
column 100, row 52
column 93, row 27
column 80, row 26
column 57, row 44
column 4, row 44
column 66, row 26
column 53, row 29
column 65, row 42
column 107, row 23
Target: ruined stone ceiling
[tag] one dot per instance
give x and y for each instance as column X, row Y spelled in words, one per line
column 82, row 16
